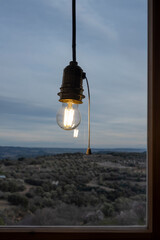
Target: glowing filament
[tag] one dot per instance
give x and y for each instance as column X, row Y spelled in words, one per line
column 68, row 115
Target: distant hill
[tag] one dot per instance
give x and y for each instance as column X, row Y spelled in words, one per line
column 17, row 152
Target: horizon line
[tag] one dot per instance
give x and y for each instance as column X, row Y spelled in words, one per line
column 78, row 147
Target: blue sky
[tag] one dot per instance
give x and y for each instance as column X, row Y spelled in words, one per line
column 35, row 46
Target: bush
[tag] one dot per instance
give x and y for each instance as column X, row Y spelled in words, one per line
column 11, row 186
column 108, row 209
column 34, row 182
column 2, row 221
column 16, row 199
column 128, row 217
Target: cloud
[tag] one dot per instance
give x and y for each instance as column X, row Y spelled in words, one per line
column 20, row 107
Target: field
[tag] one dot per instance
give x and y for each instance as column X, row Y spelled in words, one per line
column 74, row 189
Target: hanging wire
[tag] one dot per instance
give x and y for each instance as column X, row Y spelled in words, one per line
column 74, row 30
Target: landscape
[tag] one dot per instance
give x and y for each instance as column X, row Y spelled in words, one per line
column 73, row 189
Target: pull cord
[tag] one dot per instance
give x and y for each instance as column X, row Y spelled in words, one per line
column 88, row 152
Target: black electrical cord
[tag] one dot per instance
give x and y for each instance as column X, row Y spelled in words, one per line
column 74, row 30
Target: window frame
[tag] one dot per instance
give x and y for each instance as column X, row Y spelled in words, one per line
column 152, row 230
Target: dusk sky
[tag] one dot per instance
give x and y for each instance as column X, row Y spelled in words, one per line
column 35, row 47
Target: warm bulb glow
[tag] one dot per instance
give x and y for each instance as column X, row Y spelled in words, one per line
column 68, row 116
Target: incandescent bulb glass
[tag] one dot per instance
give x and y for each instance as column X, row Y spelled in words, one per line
column 68, row 117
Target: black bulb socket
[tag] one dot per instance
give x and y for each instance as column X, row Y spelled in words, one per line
column 72, row 84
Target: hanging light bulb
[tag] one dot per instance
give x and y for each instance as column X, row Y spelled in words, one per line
column 71, row 95
column 68, row 117
column 71, row 90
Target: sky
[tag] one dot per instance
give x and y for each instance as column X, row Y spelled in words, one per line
column 35, row 47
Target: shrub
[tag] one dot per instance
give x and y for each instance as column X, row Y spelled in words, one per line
column 11, row 186
column 17, row 199
column 34, row 182
column 108, row 209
